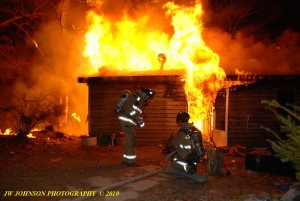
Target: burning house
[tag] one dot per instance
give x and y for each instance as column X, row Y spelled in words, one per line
column 159, row 117
column 127, row 54
column 236, row 118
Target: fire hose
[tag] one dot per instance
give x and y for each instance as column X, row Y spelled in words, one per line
column 127, row 181
column 198, row 178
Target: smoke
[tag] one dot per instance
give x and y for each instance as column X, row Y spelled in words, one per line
column 57, row 64
column 261, row 40
column 245, row 53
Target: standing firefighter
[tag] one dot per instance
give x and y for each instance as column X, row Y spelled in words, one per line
column 188, row 143
column 129, row 108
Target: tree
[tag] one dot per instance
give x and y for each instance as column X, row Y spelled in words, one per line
column 234, row 15
column 37, row 40
column 27, row 113
column 286, row 148
column 7, row 60
column 21, row 18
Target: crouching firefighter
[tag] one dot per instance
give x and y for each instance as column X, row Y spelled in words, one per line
column 129, row 108
column 187, row 144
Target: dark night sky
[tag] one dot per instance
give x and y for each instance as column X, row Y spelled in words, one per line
column 283, row 14
column 290, row 16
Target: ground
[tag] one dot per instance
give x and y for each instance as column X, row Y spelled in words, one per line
column 63, row 164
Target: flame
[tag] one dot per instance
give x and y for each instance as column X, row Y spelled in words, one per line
column 129, row 48
column 8, row 131
column 203, row 77
column 76, row 117
column 30, row 135
column 35, row 129
column 130, row 45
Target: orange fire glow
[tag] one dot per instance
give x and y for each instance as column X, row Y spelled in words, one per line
column 130, row 46
column 76, row 117
column 9, row 131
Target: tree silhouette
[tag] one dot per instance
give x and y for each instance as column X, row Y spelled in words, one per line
column 234, row 15
column 287, row 147
column 27, row 112
column 20, row 18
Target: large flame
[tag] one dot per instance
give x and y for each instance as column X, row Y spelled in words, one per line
column 125, row 47
column 130, row 46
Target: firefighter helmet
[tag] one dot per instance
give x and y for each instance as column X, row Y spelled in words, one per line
column 149, row 92
column 182, row 117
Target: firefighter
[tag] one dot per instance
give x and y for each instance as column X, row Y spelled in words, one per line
column 188, row 144
column 129, row 108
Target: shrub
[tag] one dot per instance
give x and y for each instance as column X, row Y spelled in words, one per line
column 287, row 148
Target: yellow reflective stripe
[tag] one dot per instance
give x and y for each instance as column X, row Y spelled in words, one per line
column 183, row 164
column 137, row 108
column 132, row 113
column 129, row 156
column 127, row 119
column 185, row 146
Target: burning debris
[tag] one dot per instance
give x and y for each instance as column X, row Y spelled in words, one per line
column 32, row 115
column 7, row 131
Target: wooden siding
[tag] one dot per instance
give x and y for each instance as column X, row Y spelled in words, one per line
column 247, row 114
column 159, row 116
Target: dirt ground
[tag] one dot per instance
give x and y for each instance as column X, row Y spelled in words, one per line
column 64, row 164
